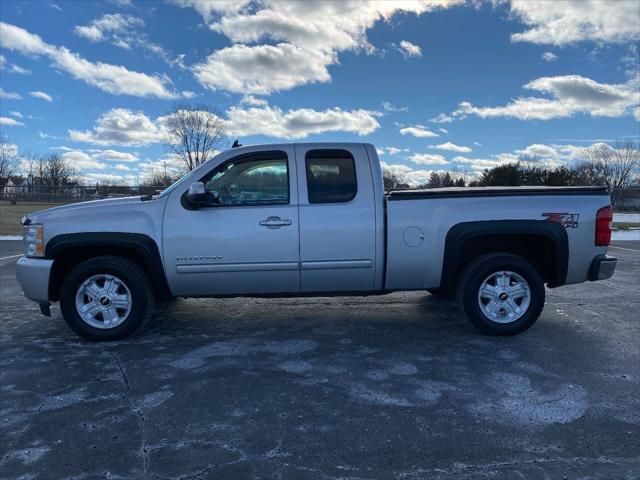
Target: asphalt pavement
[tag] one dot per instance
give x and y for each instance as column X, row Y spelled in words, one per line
column 398, row 386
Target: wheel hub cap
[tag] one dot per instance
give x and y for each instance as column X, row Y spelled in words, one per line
column 504, row 296
column 103, row 301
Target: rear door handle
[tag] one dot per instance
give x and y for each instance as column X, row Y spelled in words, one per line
column 275, row 222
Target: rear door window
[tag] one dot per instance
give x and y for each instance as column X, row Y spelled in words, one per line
column 331, row 176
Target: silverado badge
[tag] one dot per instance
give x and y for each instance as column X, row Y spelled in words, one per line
column 567, row 220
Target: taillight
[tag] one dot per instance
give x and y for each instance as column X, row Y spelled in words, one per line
column 603, row 226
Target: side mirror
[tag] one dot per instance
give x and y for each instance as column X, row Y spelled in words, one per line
column 197, row 194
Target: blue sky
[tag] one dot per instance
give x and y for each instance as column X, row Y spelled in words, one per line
column 435, row 85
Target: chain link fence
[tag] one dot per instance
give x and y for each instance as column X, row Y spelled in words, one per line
column 72, row 194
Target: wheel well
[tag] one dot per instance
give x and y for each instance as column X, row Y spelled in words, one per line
column 538, row 250
column 68, row 258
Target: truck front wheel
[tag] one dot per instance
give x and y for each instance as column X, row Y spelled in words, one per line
column 106, row 298
column 501, row 294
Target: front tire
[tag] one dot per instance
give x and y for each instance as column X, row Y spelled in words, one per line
column 501, row 294
column 106, row 298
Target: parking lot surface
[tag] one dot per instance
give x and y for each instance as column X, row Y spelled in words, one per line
column 397, row 386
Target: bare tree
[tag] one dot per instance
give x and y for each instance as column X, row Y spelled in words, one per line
column 194, row 133
column 614, row 167
column 393, row 180
column 7, row 158
column 160, row 179
column 52, row 170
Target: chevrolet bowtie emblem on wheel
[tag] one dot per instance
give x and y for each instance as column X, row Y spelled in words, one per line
column 567, row 220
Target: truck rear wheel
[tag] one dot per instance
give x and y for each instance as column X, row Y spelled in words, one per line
column 106, row 298
column 501, row 294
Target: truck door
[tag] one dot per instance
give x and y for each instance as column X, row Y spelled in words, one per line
column 248, row 242
column 337, row 219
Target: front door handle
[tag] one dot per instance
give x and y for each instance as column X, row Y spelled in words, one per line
column 275, row 222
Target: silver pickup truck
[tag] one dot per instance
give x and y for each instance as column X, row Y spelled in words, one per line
column 312, row 219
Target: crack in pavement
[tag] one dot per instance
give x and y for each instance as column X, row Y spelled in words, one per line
column 138, row 411
column 36, row 412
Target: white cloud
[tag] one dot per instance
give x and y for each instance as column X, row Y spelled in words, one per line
column 46, row 135
column 419, row 131
column 571, row 94
column 4, row 95
column 409, row 49
column 173, row 165
column 253, row 101
column 479, row 164
column 428, row 159
column 16, row 114
column 443, row 130
column 550, row 155
column 395, row 150
column 108, row 25
column 389, row 107
column 82, row 161
column 406, row 174
column 452, row 147
column 549, row 57
column 116, row 156
column 390, row 150
column 114, row 79
column 121, row 31
column 41, row 95
column 121, row 3
column 208, row 8
column 636, row 113
column 442, row 118
column 298, row 123
column 124, row 127
column 280, row 45
column 91, row 178
column 122, row 167
column 11, row 67
column 10, row 122
column 545, row 155
column 10, row 149
column 121, row 126
column 262, row 69
column 565, row 22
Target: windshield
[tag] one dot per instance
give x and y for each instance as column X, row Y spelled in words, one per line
column 182, row 179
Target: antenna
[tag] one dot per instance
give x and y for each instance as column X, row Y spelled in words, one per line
column 236, row 144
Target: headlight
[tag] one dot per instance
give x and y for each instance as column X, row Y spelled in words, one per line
column 33, row 244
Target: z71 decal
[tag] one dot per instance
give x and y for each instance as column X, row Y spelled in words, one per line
column 567, row 220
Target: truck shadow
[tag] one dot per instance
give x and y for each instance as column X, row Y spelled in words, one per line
column 216, row 316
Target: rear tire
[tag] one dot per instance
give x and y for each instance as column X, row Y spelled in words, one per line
column 106, row 298
column 501, row 294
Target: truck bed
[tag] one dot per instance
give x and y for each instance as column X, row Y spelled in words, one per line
column 459, row 192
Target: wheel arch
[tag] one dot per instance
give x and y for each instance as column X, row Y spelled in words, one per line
column 541, row 242
column 68, row 250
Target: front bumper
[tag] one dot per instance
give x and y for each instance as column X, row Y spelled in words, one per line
column 33, row 276
column 602, row 267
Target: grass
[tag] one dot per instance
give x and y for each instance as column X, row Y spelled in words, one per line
column 10, row 215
